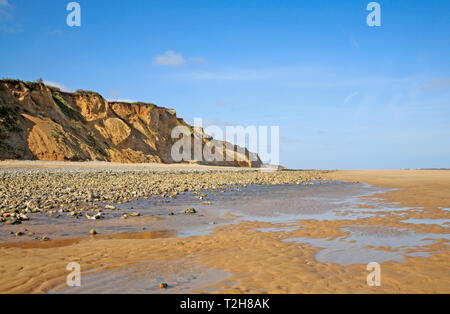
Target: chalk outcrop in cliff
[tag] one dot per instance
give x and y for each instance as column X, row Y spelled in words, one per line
column 39, row 122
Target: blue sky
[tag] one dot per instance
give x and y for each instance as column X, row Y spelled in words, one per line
column 345, row 95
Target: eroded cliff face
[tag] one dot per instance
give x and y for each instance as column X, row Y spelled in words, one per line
column 41, row 122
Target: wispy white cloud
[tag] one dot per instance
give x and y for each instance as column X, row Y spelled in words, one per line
column 301, row 76
column 5, row 8
column 62, row 87
column 231, row 75
column 171, row 58
column 354, row 81
column 349, row 97
column 5, row 3
column 251, row 74
column 8, row 21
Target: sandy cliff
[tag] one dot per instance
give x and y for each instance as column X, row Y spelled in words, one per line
column 39, row 122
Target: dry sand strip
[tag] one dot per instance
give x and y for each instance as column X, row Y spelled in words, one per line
column 258, row 262
column 103, row 165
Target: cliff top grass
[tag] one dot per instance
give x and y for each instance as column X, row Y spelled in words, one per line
column 88, row 93
column 29, row 84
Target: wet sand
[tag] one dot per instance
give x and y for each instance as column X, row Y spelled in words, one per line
column 425, row 188
column 268, row 239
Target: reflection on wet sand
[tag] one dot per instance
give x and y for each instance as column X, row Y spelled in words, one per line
column 366, row 244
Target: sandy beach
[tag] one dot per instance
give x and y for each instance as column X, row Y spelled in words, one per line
column 252, row 232
column 215, row 155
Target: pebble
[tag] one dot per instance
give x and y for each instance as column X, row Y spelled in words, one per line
column 74, row 191
column 189, row 211
column 94, row 217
